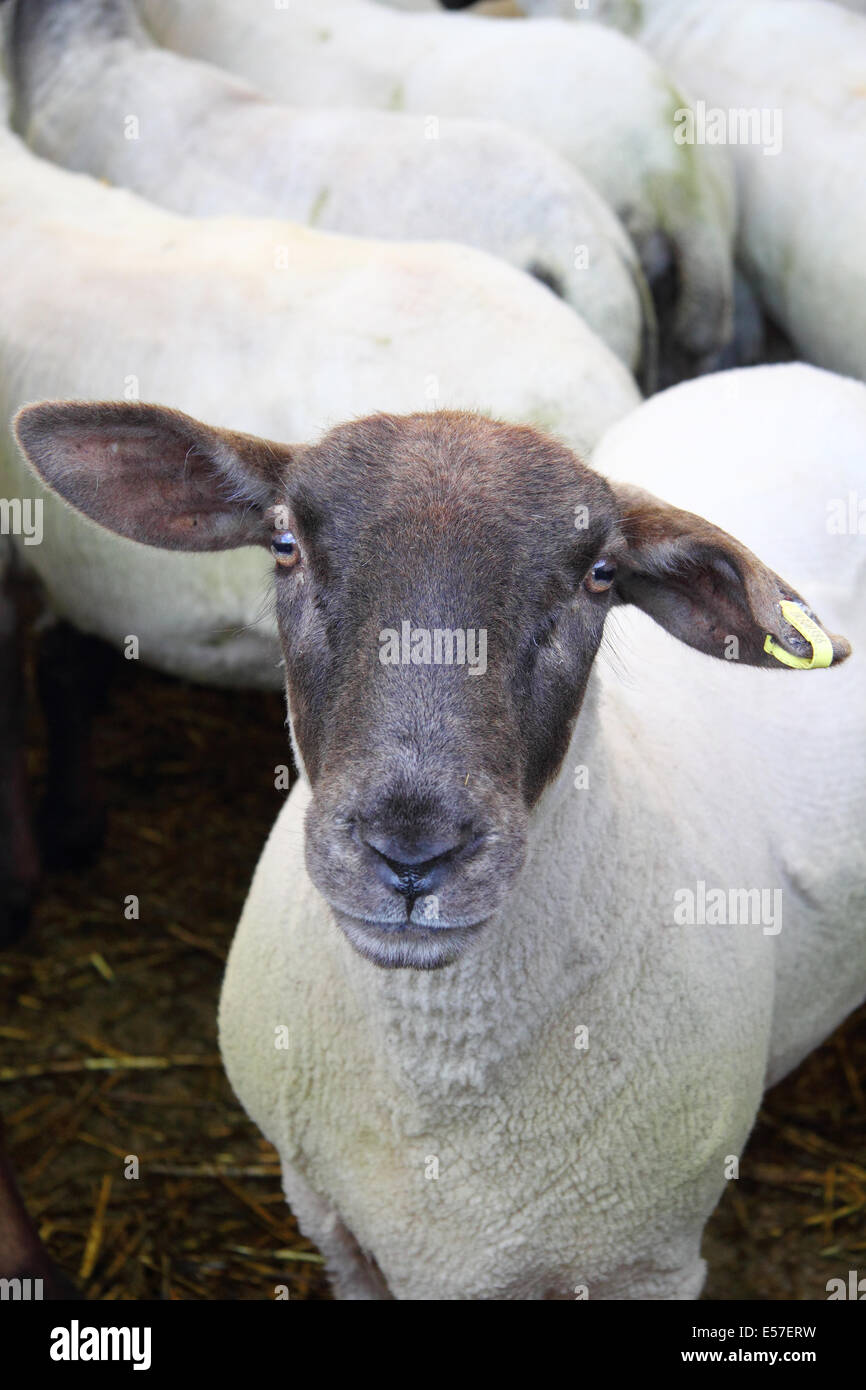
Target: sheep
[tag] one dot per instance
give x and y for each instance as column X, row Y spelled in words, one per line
column 95, row 94
column 801, row 230
column 284, row 330
column 508, row 9
column 586, row 91
column 254, row 304
column 626, row 15
column 513, row 9
column 799, row 67
column 465, row 1000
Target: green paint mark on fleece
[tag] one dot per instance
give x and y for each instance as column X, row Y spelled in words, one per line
column 318, row 207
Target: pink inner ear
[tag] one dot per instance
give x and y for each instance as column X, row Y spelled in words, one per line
column 147, row 473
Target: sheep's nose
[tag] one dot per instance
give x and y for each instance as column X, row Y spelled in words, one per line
column 417, row 867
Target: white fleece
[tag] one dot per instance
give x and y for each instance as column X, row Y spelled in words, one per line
column 589, row 93
column 624, row 14
column 802, row 211
column 259, row 326
column 205, row 143
column 563, row 1168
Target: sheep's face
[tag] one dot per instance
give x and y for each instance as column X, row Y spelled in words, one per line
column 442, row 584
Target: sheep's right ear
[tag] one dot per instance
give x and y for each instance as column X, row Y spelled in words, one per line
column 155, row 475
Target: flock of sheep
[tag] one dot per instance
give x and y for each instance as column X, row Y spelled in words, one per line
column 361, row 305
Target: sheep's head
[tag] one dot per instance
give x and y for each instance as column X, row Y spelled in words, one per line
column 442, row 583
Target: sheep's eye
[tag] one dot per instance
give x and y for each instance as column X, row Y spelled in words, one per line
column 285, row 550
column 601, row 576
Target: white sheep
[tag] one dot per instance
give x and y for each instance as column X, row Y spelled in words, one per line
column 274, row 328
column 506, row 9
column 792, row 75
column 646, row 896
column 626, row 15
column 586, row 91
column 608, row 11
column 800, row 66
column 95, row 94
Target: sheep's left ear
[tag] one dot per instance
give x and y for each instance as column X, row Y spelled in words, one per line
column 155, row 475
column 707, row 589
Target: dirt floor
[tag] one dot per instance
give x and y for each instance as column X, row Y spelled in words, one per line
column 188, row 775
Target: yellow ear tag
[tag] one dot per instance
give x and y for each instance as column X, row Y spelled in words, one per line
column 822, row 647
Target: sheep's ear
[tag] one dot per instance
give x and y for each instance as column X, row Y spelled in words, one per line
column 154, row 475
column 712, row 593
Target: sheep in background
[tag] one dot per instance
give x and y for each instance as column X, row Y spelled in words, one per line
column 549, row 1103
column 802, row 226
column 287, row 331
column 202, row 142
column 626, row 15
column 505, row 9
column 621, row 14
column 586, row 91
column 798, row 67
column 275, row 328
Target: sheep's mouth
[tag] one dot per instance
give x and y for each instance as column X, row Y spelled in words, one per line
column 410, row 928
column 409, row 925
column 395, row 945
column 397, row 913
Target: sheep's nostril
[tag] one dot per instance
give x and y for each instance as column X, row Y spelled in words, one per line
column 409, row 880
column 414, row 868
column 412, row 885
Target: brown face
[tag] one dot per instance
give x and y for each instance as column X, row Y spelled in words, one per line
column 439, row 609
column 442, row 582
